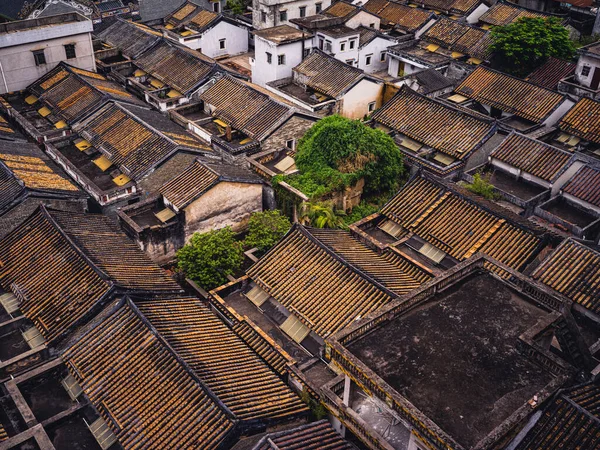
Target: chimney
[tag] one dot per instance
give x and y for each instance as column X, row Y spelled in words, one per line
column 228, row 133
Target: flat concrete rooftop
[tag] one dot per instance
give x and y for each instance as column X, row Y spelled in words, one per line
column 455, row 357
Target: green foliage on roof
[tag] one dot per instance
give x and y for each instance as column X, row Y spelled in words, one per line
column 337, row 152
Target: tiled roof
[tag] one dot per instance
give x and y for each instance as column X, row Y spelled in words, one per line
column 453, row 6
column 148, row 398
column 455, row 132
column 430, row 80
column 233, row 372
column 583, row 120
column 25, row 166
column 330, row 290
column 282, row 34
column 8, row 132
column 245, row 108
column 585, row 185
column 395, row 273
column 458, row 226
column 551, row 72
column 503, row 13
column 113, row 253
column 130, row 143
column 459, row 37
column 573, row 270
column 532, row 156
column 510, row 94
column 327, row 75
column 313, row 436
column 340, row 9
column 405, row 17
column 180, row 68
column 192, row 16
column 128, row 38
column 199, row 178
column 56, row 283
column 71, row 93
column 571, row 421
column 189, row 185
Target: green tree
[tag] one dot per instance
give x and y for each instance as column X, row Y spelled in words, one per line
column 482, row 187
column 210, row 257
column 321, row 215
column 336, row 152
column 235, row 6
column 266, row 228
column 522, row 46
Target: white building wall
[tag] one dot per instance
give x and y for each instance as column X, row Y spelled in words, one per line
column 348, row 55
column 377, row 48
column 562, row 109
column 364, row 19
column 586, row 61
column 477, row 13
column 264, row 72
column 355, row 103
column 17, row 64
column 236, row 40
column 272, row 8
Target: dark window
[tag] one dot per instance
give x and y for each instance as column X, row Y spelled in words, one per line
column 291, row 144
column 216, row 7
column 371, row 106
column 263, row 16
column 382, row 57
column 372, row 25
column 321, row 42
column 342, row 46
column 352, row 44
column 269, row 58
column 585, row 71
column 40, row 57
column 368, row 60
column 221, row 44
column 281, row 60
column 318, row 7
column 70, row 51
column 282, row 16
column 306, row 52
column 303, row 11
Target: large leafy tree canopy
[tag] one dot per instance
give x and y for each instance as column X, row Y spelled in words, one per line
column 209, row 257
column 336, row 152
column 522, row 46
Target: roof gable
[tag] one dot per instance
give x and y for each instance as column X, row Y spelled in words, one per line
column 457, row 225
column 222, row 360
column 456, row 133
column 573, row 270
column 532, row 156
column 583, row 120
column 56, row 284
column 585, row 185
column 148, row 398
column 327, row 75
column 510, row 94
column 319, row 273
column 73, row 93
column 245, row 108
column 128, row 38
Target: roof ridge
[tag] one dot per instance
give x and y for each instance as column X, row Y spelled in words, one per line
column 181, row 361
column 46, row 213
column 306, row 232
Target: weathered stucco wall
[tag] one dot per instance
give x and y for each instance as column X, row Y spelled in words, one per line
column 225, row 204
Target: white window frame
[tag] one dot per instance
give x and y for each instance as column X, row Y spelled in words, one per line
column 369, row 59
column 281, row 59
column 223, row 44
column 371, row 106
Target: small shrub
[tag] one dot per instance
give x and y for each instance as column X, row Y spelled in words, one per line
column 482, row 187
